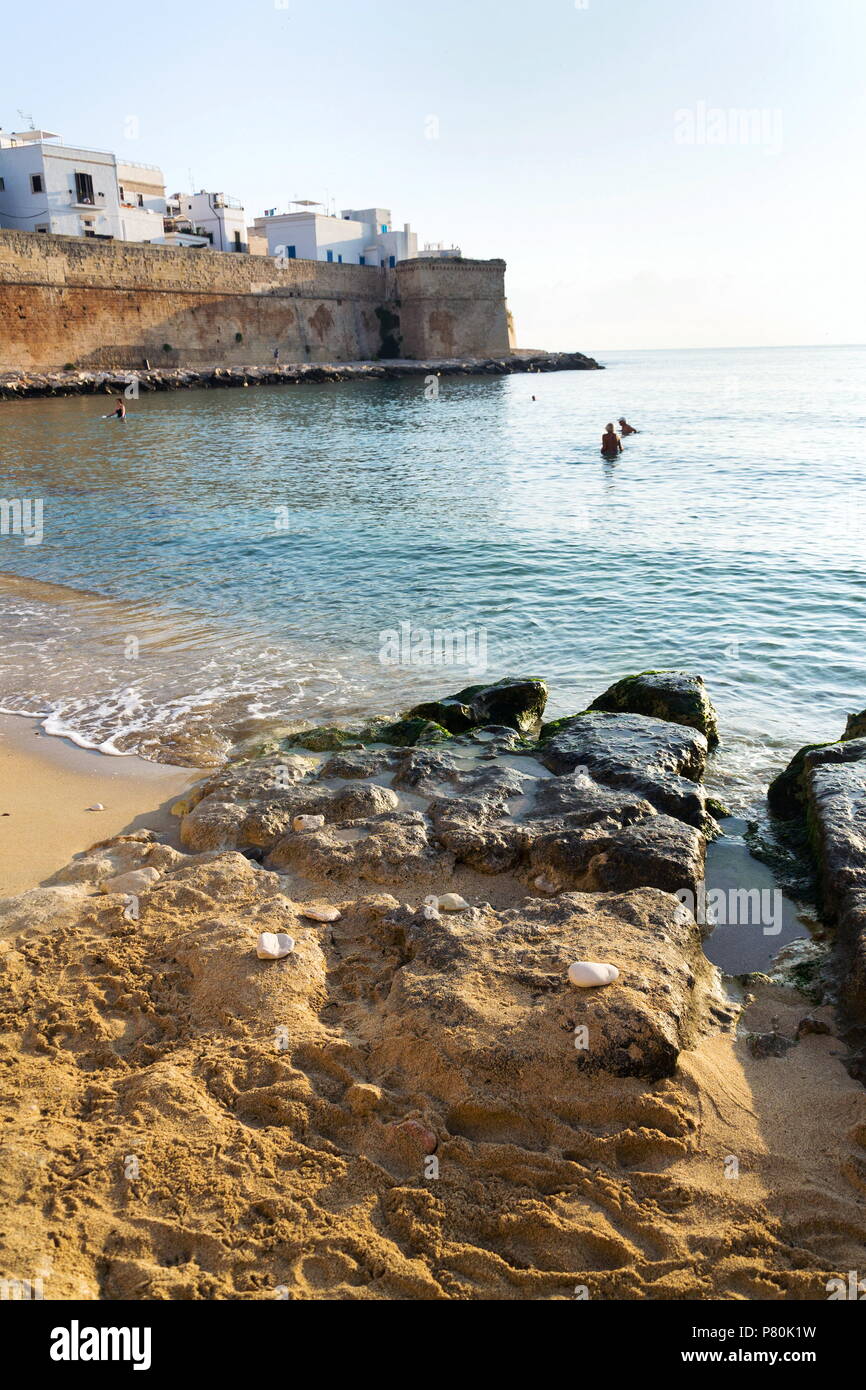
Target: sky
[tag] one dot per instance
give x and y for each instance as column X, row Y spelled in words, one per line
column 656, row 173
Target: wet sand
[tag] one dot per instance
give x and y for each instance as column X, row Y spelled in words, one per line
column 46, row 785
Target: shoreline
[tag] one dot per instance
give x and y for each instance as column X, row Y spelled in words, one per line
column 48, row 782
column 24, row 385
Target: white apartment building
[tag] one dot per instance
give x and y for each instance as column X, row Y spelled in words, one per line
column 46, row 186
column 363, row 236
column 206, row 219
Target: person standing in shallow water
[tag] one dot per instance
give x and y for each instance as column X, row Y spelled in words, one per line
column 119, row 413
column 611, row 444
column 625, row 427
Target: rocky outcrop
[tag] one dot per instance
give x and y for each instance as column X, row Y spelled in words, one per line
column 855, row 726
column 836, row 810
column 788, row 792
column 824, row 788
column 662, row 762
column 625, row 809
column 670, row 695
column 515, row 704
column 484, row 1000
column 21, row 385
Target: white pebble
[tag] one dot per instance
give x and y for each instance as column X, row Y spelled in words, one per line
column 274, row 945
column 587, row 974
column 97, row 806
column 544, row 885
column 322, row 914
column 136, row 881
column 452, row 902
column 308, row 822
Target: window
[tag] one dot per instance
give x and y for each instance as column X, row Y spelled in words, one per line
column 122, row 199
column 237, row 241
column 340, row 260
column 2, row 185
column 330, row 255
column 140, row 197
column 392, row 261
column 42, row 227
column 83, row 188
column 362, row 260
column 384, row 228
column 35, row 183
column 292, row 253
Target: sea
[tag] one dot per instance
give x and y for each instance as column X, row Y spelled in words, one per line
column 224, row 565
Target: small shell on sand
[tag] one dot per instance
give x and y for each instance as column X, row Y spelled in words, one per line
column 322, row 914
column 97, row 806
column 587, row 974
column 308, row 823
column 452, row 902
column 274, row 945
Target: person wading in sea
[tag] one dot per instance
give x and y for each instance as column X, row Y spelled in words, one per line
column 611, row 444
column 119, row 413
column 625, row 427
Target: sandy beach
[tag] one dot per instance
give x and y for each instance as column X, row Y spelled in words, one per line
column 47, row 785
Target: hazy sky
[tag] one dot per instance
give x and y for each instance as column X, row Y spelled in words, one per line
column 605, row 149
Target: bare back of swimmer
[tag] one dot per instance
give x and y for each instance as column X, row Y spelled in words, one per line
column 611, row 444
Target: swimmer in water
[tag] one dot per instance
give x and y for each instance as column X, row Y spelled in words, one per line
column 611, row 444
column 625, row 427
column 119, row 413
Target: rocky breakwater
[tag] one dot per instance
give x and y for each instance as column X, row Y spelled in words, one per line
column 72, row 382
column 823, row 789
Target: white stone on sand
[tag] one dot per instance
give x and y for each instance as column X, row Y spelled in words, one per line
column 274, row 945
column 97, row 806
column 452, row 902
column 136, row 881
column 544, row 885
column 322, row 914
column 587, row 974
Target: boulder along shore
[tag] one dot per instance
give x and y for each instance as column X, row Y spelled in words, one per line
column 330, row 1046
column 23, row 385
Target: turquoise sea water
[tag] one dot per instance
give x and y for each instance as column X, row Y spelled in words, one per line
column 229, row 560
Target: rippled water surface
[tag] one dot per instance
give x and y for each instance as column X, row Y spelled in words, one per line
column 256, row 543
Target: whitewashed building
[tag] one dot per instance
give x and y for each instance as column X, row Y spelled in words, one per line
column 46, row 186
column 363, row 236
column 215, row 220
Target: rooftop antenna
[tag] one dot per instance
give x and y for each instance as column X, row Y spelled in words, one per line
column 25, row 117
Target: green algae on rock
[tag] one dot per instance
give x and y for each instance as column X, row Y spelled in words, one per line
column 399, row 733
column 514, row 702
column 674, row 696
column 409, row 732
column 457, row 718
